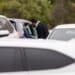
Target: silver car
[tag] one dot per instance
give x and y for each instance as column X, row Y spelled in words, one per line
column 7, row 30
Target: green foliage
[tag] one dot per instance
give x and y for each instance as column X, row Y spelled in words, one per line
column 26, row 9
column 40, row 9
column 10, row 8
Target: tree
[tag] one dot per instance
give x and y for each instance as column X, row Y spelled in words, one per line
column 59, row 12
column 26, row 9
column 70, row 17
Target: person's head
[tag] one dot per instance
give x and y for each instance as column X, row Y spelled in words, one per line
column 34, row 21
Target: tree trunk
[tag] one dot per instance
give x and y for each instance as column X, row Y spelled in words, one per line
column 59, row 12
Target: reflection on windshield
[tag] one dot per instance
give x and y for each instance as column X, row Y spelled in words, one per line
column 5, row 25
column 63, row 34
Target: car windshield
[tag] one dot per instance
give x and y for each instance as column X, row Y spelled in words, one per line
column 5, row 25
column 62, row 34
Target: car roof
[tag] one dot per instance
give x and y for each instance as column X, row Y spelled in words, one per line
column 20, row 20
column 2, row 16
column 59, row 46
column 65, row 26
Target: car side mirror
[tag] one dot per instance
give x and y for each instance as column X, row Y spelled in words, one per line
column 4, row 33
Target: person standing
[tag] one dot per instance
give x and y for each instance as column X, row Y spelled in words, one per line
column 41, row 28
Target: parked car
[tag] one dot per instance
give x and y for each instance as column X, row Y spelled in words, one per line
column 63, row 32
column 18, row 24
column 7, row 30
column 37, row 57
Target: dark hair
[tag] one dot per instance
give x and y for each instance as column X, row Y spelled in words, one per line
column 33, row 20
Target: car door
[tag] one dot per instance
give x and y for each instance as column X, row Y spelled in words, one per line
column 47, row 61
column 11, row 61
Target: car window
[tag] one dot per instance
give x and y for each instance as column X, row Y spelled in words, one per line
column 24, row 59
column 62, row 34
column 39, row 59
column 11, row 59
column 5, row 25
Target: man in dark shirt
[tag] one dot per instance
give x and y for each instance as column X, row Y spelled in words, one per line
column 42, row 29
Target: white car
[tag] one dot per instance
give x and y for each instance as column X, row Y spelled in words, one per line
column 63, row 32
column 37, row 57
column 18, row 24
column 7, row 30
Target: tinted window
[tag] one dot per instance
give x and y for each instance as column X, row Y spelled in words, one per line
column 11, row 59
column 39, row 59
column 63, row 34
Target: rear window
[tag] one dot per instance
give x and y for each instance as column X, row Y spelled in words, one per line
column 5, row 25
column 64, row 34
